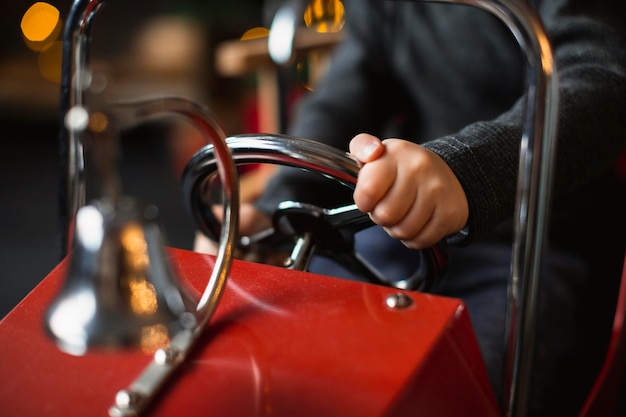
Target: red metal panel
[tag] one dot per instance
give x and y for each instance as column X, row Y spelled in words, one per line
column 282, row 343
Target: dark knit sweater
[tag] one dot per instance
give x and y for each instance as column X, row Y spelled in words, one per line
column 451, row 77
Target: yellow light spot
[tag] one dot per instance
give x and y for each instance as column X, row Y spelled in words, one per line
column 153, row 338
column 40, row 22
column 255, row 33
column 98, row 122
column 142, row 294
column 142, row 297
column 325, row 15
column 135, row 248
column 49, row 61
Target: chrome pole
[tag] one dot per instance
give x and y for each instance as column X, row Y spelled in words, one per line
column 74, row 80
column 534, row 186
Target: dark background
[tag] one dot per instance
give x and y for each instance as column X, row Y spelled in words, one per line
column 29, row 162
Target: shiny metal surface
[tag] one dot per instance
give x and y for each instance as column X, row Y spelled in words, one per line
column 120, row 275
column 145, row 388
column 399, row 301
column 204, row 120
column 329, row 232
column 75, row 83
column 261, row 148
column 282, row 32
column 534, row 187
column 317, row 15
column 75, row 80
column 120, row 289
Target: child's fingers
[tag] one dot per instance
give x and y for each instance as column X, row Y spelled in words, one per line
column 366, row 148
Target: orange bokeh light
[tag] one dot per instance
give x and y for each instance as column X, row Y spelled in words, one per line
column 255, row 33
column 40, row 23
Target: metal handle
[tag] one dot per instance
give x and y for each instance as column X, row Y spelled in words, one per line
column 329, row 232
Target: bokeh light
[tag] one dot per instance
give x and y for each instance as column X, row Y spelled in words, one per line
column 255, row 33
column 49, row 61
column 41, row 27
column 98, row 122
column 325, row 15
column 41, row 24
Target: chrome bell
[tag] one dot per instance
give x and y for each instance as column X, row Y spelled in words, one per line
column 120, row 288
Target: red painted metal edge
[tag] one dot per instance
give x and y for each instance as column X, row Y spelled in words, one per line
column 281, row 343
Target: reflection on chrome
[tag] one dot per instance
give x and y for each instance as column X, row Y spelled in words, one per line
column 280, row 41
column 154, row 338
column 317, row 15
column 89, row 226
column 120, row 269
column 343, row 221
column 70, row 319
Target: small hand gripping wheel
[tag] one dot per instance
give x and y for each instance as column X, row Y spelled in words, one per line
column 327, row 232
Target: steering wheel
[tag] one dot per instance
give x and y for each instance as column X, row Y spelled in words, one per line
column 311, row 229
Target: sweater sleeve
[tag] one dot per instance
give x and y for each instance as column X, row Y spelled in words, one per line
column 589, row 48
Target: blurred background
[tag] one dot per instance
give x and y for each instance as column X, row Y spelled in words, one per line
column 211, row 51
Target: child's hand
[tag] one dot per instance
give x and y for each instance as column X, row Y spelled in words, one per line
column 408, row 190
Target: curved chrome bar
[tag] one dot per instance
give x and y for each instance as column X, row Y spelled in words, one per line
column 74, row 84
column 286, row 150
column 255, row 149
column 74, row 81
column 534, row 186
column 131, row 401
column 282, row 34
column 323, row 229
column 139, row 111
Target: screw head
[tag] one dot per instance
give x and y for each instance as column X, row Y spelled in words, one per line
column 399, row 301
